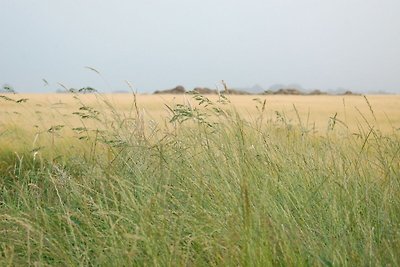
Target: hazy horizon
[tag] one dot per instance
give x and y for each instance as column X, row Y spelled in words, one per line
column 156, row 45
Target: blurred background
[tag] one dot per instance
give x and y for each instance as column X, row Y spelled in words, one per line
column 253, row 45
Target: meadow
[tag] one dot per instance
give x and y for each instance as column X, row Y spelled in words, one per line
column 196, row 180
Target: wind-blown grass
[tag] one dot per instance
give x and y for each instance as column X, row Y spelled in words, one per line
column 208, row 189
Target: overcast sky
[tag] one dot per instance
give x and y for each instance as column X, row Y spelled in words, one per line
column 322, row 44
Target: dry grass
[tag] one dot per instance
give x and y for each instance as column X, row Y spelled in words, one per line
column 313, row 111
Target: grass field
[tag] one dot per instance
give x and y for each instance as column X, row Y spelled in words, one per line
column 314, row 112
column 104, row 180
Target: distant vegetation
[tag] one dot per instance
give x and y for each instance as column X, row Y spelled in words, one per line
column 277, row 89
column 282, row 91
column 83, row 90
column 7, row 88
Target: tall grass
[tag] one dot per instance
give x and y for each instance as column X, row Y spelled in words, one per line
column 208, row 188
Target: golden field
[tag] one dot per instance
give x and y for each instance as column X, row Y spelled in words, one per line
column 313, row 112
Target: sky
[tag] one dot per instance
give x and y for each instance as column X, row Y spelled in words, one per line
column 156, row 45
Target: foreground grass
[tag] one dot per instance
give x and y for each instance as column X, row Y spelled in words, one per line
column 202, row 192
